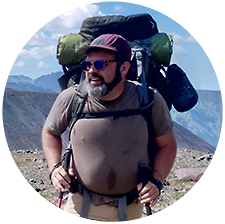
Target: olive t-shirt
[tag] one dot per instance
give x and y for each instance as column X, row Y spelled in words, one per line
column 106, row 151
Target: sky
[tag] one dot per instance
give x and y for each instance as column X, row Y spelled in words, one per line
column 31, row 30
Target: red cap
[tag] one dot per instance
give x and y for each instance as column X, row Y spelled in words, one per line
column 111, row 42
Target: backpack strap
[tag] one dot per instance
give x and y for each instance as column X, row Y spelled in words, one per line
column 141, row 76
column 77, row 106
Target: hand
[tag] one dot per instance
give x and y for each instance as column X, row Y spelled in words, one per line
column 148, row 194
column 61, row 179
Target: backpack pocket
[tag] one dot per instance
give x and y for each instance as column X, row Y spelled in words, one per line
column 184, row 96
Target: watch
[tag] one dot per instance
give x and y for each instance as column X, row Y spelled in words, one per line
column 159, row 185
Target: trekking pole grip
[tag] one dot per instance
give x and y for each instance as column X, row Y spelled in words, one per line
column 143, row 174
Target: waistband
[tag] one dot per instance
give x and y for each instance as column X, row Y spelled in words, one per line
column 112, row 199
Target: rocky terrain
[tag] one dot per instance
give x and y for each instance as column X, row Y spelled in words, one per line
column 188, row 168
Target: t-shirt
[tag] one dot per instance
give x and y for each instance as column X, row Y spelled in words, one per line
column 107, row 151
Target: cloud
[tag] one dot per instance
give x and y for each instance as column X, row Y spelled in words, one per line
column 41, row 64
column 119, row 8
column 200, row 37
column 55, row 36
column 179, row 49
column 19, row 64
column 71, row 21
column 38, row 52
column 39, row 39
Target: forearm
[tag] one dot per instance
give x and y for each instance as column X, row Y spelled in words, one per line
column 165, row 156
column 52, row 147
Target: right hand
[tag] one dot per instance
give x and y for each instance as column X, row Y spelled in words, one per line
column 60, row 178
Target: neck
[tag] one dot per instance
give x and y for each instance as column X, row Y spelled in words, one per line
column 115, row 93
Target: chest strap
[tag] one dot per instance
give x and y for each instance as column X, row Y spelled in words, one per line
column 115, row 114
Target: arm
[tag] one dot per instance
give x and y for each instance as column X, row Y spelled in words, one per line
column 52, row 147
column 164, row 159
column 163, row 162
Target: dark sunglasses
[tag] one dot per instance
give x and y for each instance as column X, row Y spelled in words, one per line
column 99, row 65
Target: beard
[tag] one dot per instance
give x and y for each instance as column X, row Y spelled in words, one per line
column 104, row 88
column 96, row 91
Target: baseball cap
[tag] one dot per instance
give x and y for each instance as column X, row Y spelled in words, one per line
column 113, row 42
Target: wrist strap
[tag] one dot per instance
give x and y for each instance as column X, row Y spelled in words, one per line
column 159, row 185
column 56, row 166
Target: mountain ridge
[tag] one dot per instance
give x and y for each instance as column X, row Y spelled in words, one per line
column 45, row 83
column 24, row 114
column 204, row 120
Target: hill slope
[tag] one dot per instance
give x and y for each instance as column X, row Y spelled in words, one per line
column 205, row 119
column 24, row 114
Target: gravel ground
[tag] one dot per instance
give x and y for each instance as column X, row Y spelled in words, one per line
column 33, row 166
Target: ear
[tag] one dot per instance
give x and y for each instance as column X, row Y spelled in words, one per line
column 124, row 68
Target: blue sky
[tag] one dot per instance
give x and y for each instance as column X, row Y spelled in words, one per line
column 32, row 30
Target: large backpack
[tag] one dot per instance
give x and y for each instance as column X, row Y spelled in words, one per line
column 151, row 48
column 150, row 66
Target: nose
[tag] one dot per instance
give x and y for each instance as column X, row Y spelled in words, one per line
column 90, row 72
column 92, row 69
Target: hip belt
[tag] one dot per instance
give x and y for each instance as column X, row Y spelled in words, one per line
column 119, row 200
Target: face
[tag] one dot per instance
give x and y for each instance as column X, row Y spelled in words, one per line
column 97, row 80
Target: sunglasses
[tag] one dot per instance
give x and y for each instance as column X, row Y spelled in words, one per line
column 99, row 65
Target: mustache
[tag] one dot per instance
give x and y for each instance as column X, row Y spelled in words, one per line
column 95, row 75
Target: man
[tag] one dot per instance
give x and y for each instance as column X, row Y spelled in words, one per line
column 107, row 151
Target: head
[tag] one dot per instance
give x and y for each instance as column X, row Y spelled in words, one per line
column 106, row 65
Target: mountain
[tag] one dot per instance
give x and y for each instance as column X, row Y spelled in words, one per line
column 45, row 83
column 205, row 119
column 49, row 81
column 25, row 86
column 24, row 114
column 19, row 78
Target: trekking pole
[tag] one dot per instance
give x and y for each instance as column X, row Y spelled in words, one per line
column 66, row 159
column 144, row 172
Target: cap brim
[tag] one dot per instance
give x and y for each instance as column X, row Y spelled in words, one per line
column 84, row 50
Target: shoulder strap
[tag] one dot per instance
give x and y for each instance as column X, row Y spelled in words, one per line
column 77, row 106
column 141, row 76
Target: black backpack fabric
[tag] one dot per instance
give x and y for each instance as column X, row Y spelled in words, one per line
column 133, row 27
column 142, row 32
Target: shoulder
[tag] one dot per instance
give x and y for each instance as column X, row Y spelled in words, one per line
column 161, row 118
column 158, row 99
column 60, row 114
column 159, row 104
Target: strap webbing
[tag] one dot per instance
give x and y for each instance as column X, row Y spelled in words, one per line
column 86, row 203
column 115, row 114
column 122, row 206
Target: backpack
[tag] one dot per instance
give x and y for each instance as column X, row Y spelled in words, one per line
column 150, row 66
column 154, row 49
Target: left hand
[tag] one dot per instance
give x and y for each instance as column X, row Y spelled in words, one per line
column 148, row 194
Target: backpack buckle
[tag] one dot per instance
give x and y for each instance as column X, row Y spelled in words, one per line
column 138, row 55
